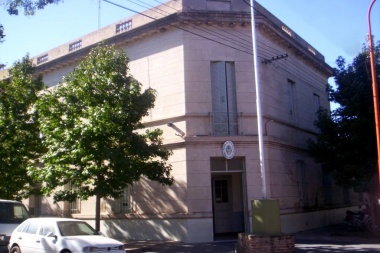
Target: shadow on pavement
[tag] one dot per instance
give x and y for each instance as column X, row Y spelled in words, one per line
column 336, row 238
column 333, row 238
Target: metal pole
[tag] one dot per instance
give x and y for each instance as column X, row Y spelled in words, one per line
column 258, row 103
column 374, row 90
column 99, row 13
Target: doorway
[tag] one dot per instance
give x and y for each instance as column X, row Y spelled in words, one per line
column 228, row 198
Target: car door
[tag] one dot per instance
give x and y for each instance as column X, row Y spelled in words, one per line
column 27, row 238
column 46, row 238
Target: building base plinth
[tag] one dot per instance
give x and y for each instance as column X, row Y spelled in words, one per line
column 279, row 243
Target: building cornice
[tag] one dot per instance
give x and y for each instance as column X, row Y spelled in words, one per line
column 133, row 28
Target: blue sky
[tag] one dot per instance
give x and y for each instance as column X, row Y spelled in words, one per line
column 333, row 27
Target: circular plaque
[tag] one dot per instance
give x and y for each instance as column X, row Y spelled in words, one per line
column 228, row 150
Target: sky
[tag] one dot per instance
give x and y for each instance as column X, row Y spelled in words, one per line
column 333, row 27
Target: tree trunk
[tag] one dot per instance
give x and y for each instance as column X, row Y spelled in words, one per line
column 97, row 213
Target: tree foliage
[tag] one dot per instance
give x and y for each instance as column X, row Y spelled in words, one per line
column 346, row 145
column 91, row 127
column 2, row 35
column 20, row 144
column 29, row 7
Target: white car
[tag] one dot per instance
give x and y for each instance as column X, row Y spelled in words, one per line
column 60, row 235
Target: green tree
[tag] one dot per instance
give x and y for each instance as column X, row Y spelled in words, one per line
column 346, row 145
column 91, row 128
column 28, row 6
column 20, row 144
column 2, row 35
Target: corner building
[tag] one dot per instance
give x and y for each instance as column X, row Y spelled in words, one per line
column 197, row 54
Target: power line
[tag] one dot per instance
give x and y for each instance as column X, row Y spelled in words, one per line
column 216, row 21
column 236, row 41
column 266, row 52
column 175, row 26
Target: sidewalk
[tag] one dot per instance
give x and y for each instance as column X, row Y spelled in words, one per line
column 334, row 238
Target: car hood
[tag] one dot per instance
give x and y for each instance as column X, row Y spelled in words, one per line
column 92, row 240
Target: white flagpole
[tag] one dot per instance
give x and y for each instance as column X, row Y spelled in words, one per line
column 258, row 104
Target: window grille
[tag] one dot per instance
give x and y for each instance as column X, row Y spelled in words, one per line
column 125, row 26
column 123, row 204
column 74, row 206
column 75, row 45
column 42, row 59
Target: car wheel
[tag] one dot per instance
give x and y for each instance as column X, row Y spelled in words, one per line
column 65, row 251
column 15, row 249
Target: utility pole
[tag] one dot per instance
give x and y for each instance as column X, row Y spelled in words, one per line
column 375, row 93
column 99, row 13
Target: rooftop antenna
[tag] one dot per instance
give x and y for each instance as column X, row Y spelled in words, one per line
column 99, row 13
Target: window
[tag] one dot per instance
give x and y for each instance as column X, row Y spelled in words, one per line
column 221, row 190
column 290, row 93
column 12, row 213
column 46, row 229
column 32, row 228
column 219, row 164
column 123, row 204
column 302, row 183
column 35, row 202
column 74, row 206
column 316, row 102
column 224, row 105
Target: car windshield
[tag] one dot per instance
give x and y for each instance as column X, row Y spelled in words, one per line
column 12, row 213
column 73, row 228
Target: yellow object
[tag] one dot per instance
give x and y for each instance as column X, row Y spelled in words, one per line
column 266, row 216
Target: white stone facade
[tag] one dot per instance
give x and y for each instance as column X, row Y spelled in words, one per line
column 211, row 196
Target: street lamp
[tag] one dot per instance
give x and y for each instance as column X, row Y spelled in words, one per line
column 374, row 90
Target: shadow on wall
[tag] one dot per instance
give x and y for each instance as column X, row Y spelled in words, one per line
column 157, row 213
column 49, row 209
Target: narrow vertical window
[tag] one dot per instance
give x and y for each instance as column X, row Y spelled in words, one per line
column 123, row 204
column 224, row 106
column 290, row 92
column 302, row 183
column 74, row 206
column 316, row 102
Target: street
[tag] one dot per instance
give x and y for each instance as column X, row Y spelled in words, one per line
column 333, row 238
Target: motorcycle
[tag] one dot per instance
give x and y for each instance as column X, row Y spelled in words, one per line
column 358, row 220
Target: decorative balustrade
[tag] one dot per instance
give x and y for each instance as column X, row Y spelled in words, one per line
column 125, row 26
column 75, row 45
column 43, row 58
